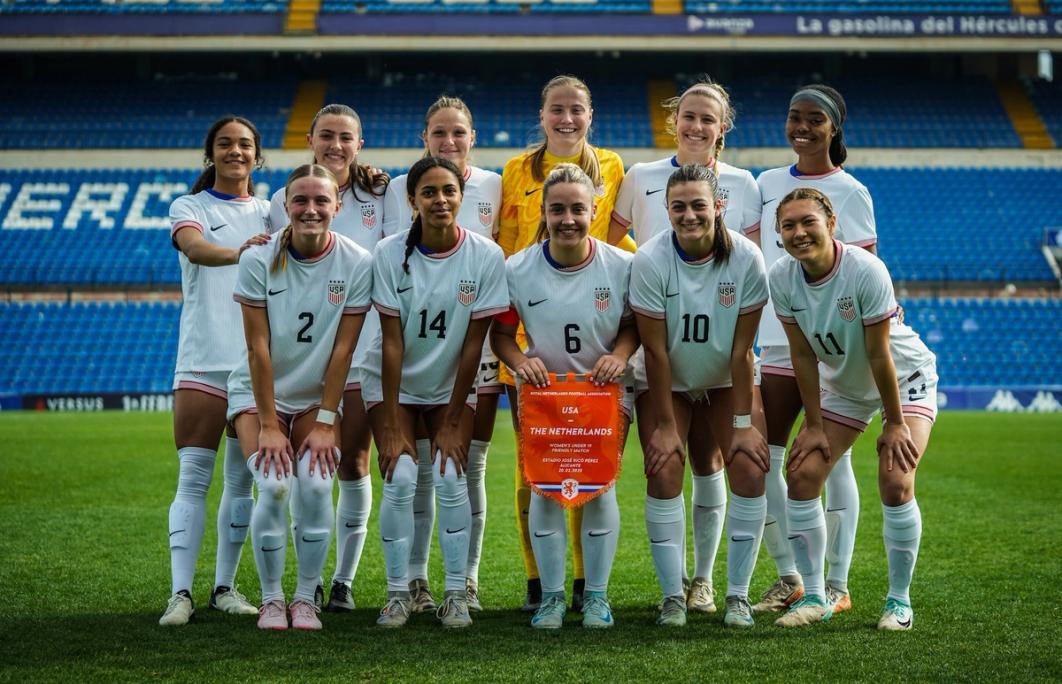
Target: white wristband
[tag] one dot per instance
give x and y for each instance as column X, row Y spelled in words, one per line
column 744, row 421
column 326, row 417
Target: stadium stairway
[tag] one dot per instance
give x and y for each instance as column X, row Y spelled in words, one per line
column 1024, row 117
column 302, row 16
column 309, row 98
column 1027, row 7
column 658, row 91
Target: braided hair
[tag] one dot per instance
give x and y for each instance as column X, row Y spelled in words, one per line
column 416, row 172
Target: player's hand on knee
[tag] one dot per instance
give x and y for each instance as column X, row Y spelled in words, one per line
column 608, row 369
column 807, row 442
column 534, row 372
column 750, row 442
column 274, row 452
column 392, row 444
column 320, row 447
column 663, row 446
column 449, row 445
column 896, row 446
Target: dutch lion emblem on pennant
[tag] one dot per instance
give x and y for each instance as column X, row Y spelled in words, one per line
column 368, row 215
column 569, row 488
column 336, row 289
column 466, row 292
column 486, row 214
column 602, row 298
column 847, row 308
column 727, row 294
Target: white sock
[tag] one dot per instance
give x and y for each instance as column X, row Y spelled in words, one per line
column 188, row 514
column 775, row 530
column 268, row 533
column 477, row 499
column 549, row 540
column 665, row 521
column 744, row 523
column 807, row 536
column 709, row 510
column 396, row 522
column 601, row 526
column 842, row 519
column 903, row 533
column 423, row 513
column 315, row 527
column 295, row 511
column 352, row 518
column 234, row 514
column 455, row 522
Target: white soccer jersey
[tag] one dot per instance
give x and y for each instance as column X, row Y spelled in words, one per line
column 851, row 203
column 436, row 301
column 572, row 315
column 642, row 198
column 304, row 302
column 361, row 219
column 832, row 313
column 700, row 302
column 211, row 337
column 479, row 208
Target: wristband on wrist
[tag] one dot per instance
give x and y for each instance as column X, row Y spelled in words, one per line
column 744, row 421
column 326, row 417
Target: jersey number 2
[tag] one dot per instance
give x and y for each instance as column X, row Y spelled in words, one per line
column 304, row 333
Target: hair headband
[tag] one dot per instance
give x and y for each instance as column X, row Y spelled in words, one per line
column 821, row 99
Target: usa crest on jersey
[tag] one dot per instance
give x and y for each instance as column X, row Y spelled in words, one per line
column 847, row 308
column 727, row 294
column 466, row 292
column 336, row 290
column 602, row 298
column 486, row 214
column 368, row 215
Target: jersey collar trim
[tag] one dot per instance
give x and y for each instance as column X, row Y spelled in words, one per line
column 568, row 269
column 227, row 197
column 795, row 173
column 838, row 254
column 314, row 258
column 468, row 173
column 442, row 255
column 686, row 258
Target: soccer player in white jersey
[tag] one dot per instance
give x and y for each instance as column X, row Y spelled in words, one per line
column 852, row 358
column 304, row 298
column 449, row 133
column 813, row 128
column 699, row 120
column 335, row 138
column 211, row 227
column 436, row 286
column 698, row 291
column 552, row 288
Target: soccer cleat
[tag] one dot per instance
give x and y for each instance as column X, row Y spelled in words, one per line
column 738, row 613
column 701, row 598
column 420, row 596
column 179, row 610
column 839, row 601
column 780, row 596
column 453, row 613
column 597, row 613
column 230, row 601
column 318, row 597
column 273, row 615
column 534, row 596
column 672, row 612
column 578, row 588
column 550, row 614
column 304, row 615
column 686, row 585
column 340, row 599
column 897, row 616
column 395, row 612
column 472, row 597
column 808, row 610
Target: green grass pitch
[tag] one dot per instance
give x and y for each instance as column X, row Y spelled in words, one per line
column 85, row 576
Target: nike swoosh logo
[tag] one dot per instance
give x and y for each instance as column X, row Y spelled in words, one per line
column 548, row 534
column 906, row 623
column 460, row 529
column 237, row 527
column 213, row 228
column 349, row 525
column 600, row 534
column 659, row 541
column 491, row 378
column 403, row 290
column 831, row 510
column 530, row 303
column 307, row 541
column 794, row 309
column 276, row 292
column 387, row 540
column 766, row 202
column 269, row 550
column 672, row 294
column 653, row 192
column 528, row 193
column 177, row 532
column 735, row 539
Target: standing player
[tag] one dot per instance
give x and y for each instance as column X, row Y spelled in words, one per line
column 335, row 138
column 303, row 297
column 448, row 133
column 813, row 128
column 837, row 305
column 436, row 287
column 565, row 117
column 212, row 227
column 698, row 292
column 699, row 120
column 553, row 290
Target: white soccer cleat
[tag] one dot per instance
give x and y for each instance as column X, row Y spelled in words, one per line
column 839, row 601
column 453, row 613
column 897, row 616
column 672, row 612
column 179, row 610
column 780, row 596
column 472, row 597
column 273, row 615
column 808, row 610
column 701, row 596
column 232, row 602
column 550, row 613
column 421, row 599
column 304, row 615
column 738, row 613
column 395, row 612
column 597, row 612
